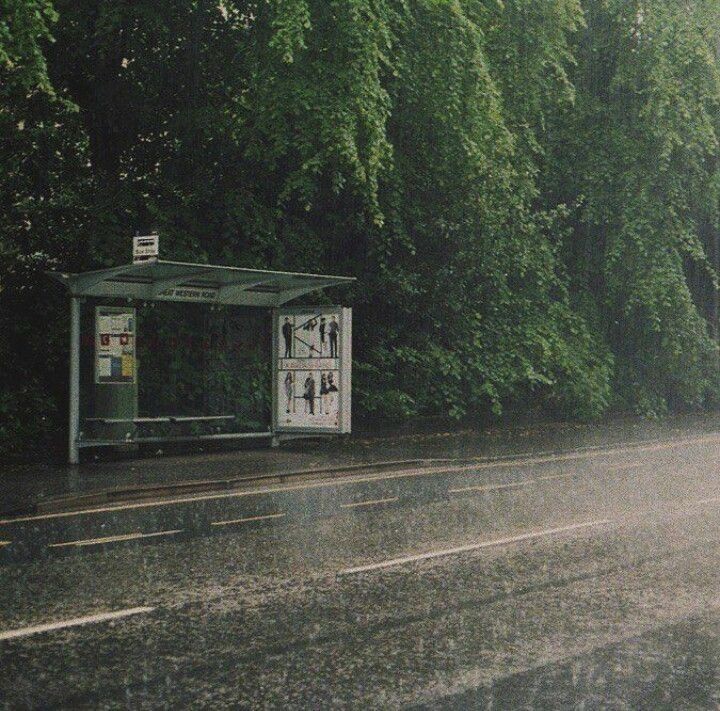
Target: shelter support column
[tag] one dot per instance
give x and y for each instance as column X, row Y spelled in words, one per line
column 74, row 399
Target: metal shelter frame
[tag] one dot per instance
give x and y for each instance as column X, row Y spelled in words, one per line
column 162, row 280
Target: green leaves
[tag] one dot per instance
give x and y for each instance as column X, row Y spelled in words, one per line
column 641, row 146
column 290, row 23
column 528, row 192
column 24, row 26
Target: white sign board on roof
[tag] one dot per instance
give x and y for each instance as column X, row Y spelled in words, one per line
column 146, row 248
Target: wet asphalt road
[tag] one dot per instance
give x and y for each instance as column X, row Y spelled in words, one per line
column 586, row 580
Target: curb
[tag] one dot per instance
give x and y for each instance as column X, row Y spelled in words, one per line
column 150, row 491
column 78, row 502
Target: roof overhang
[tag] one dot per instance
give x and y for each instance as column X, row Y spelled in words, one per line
column 161, row 280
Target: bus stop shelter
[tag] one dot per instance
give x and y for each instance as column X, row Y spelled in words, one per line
column 311, row 345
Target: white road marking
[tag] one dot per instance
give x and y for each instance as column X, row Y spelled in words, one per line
column 630, row 465
column 713, row 500
column 491, row 487
column 114, row 539
column 570, row 456
column 245, row 520
column 472, row 547
column 76, row 622
column 514, row 484
column 372, row 502
column 550, row 477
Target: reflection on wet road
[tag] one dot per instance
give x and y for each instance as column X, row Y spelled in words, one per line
column 583, row 579
column 675, row 666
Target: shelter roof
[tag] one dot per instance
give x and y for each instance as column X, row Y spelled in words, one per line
column 163, row 280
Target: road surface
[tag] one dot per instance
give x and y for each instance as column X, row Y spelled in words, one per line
column 586, row 579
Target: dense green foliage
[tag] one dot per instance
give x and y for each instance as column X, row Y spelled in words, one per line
column 637, row 157
column 528, row 192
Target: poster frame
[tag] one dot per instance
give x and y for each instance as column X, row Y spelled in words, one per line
column 115, row 310
column 344, row 369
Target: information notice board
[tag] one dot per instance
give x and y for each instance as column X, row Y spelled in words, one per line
column 312, row 359
column 115, row 330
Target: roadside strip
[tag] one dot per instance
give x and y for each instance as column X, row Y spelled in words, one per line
column 75, row 622
column 114, row 539
column 482, row 465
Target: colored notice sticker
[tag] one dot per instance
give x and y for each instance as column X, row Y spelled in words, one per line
column 115, row 366
column 103, row 366
column 127, row 366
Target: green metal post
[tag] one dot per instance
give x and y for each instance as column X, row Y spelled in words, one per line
column 74, row 404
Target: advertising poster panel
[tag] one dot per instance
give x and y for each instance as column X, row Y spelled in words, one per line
column 312, row 370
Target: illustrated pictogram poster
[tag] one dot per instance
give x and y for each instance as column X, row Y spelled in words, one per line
column 312, row 369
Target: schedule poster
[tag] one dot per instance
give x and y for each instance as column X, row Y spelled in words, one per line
column 115, row 330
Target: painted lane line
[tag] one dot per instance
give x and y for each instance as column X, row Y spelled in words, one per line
column 114, row 539
column 372, row 502
column 472, row 547
column 75, row 622
column 632, row 466
column 700, row 502
column 514, row 484
column 491, row 487
column 246, row 520
column 550, row 477
column 480, row 466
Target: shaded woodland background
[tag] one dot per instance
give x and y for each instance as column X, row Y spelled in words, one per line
column 528, row 192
